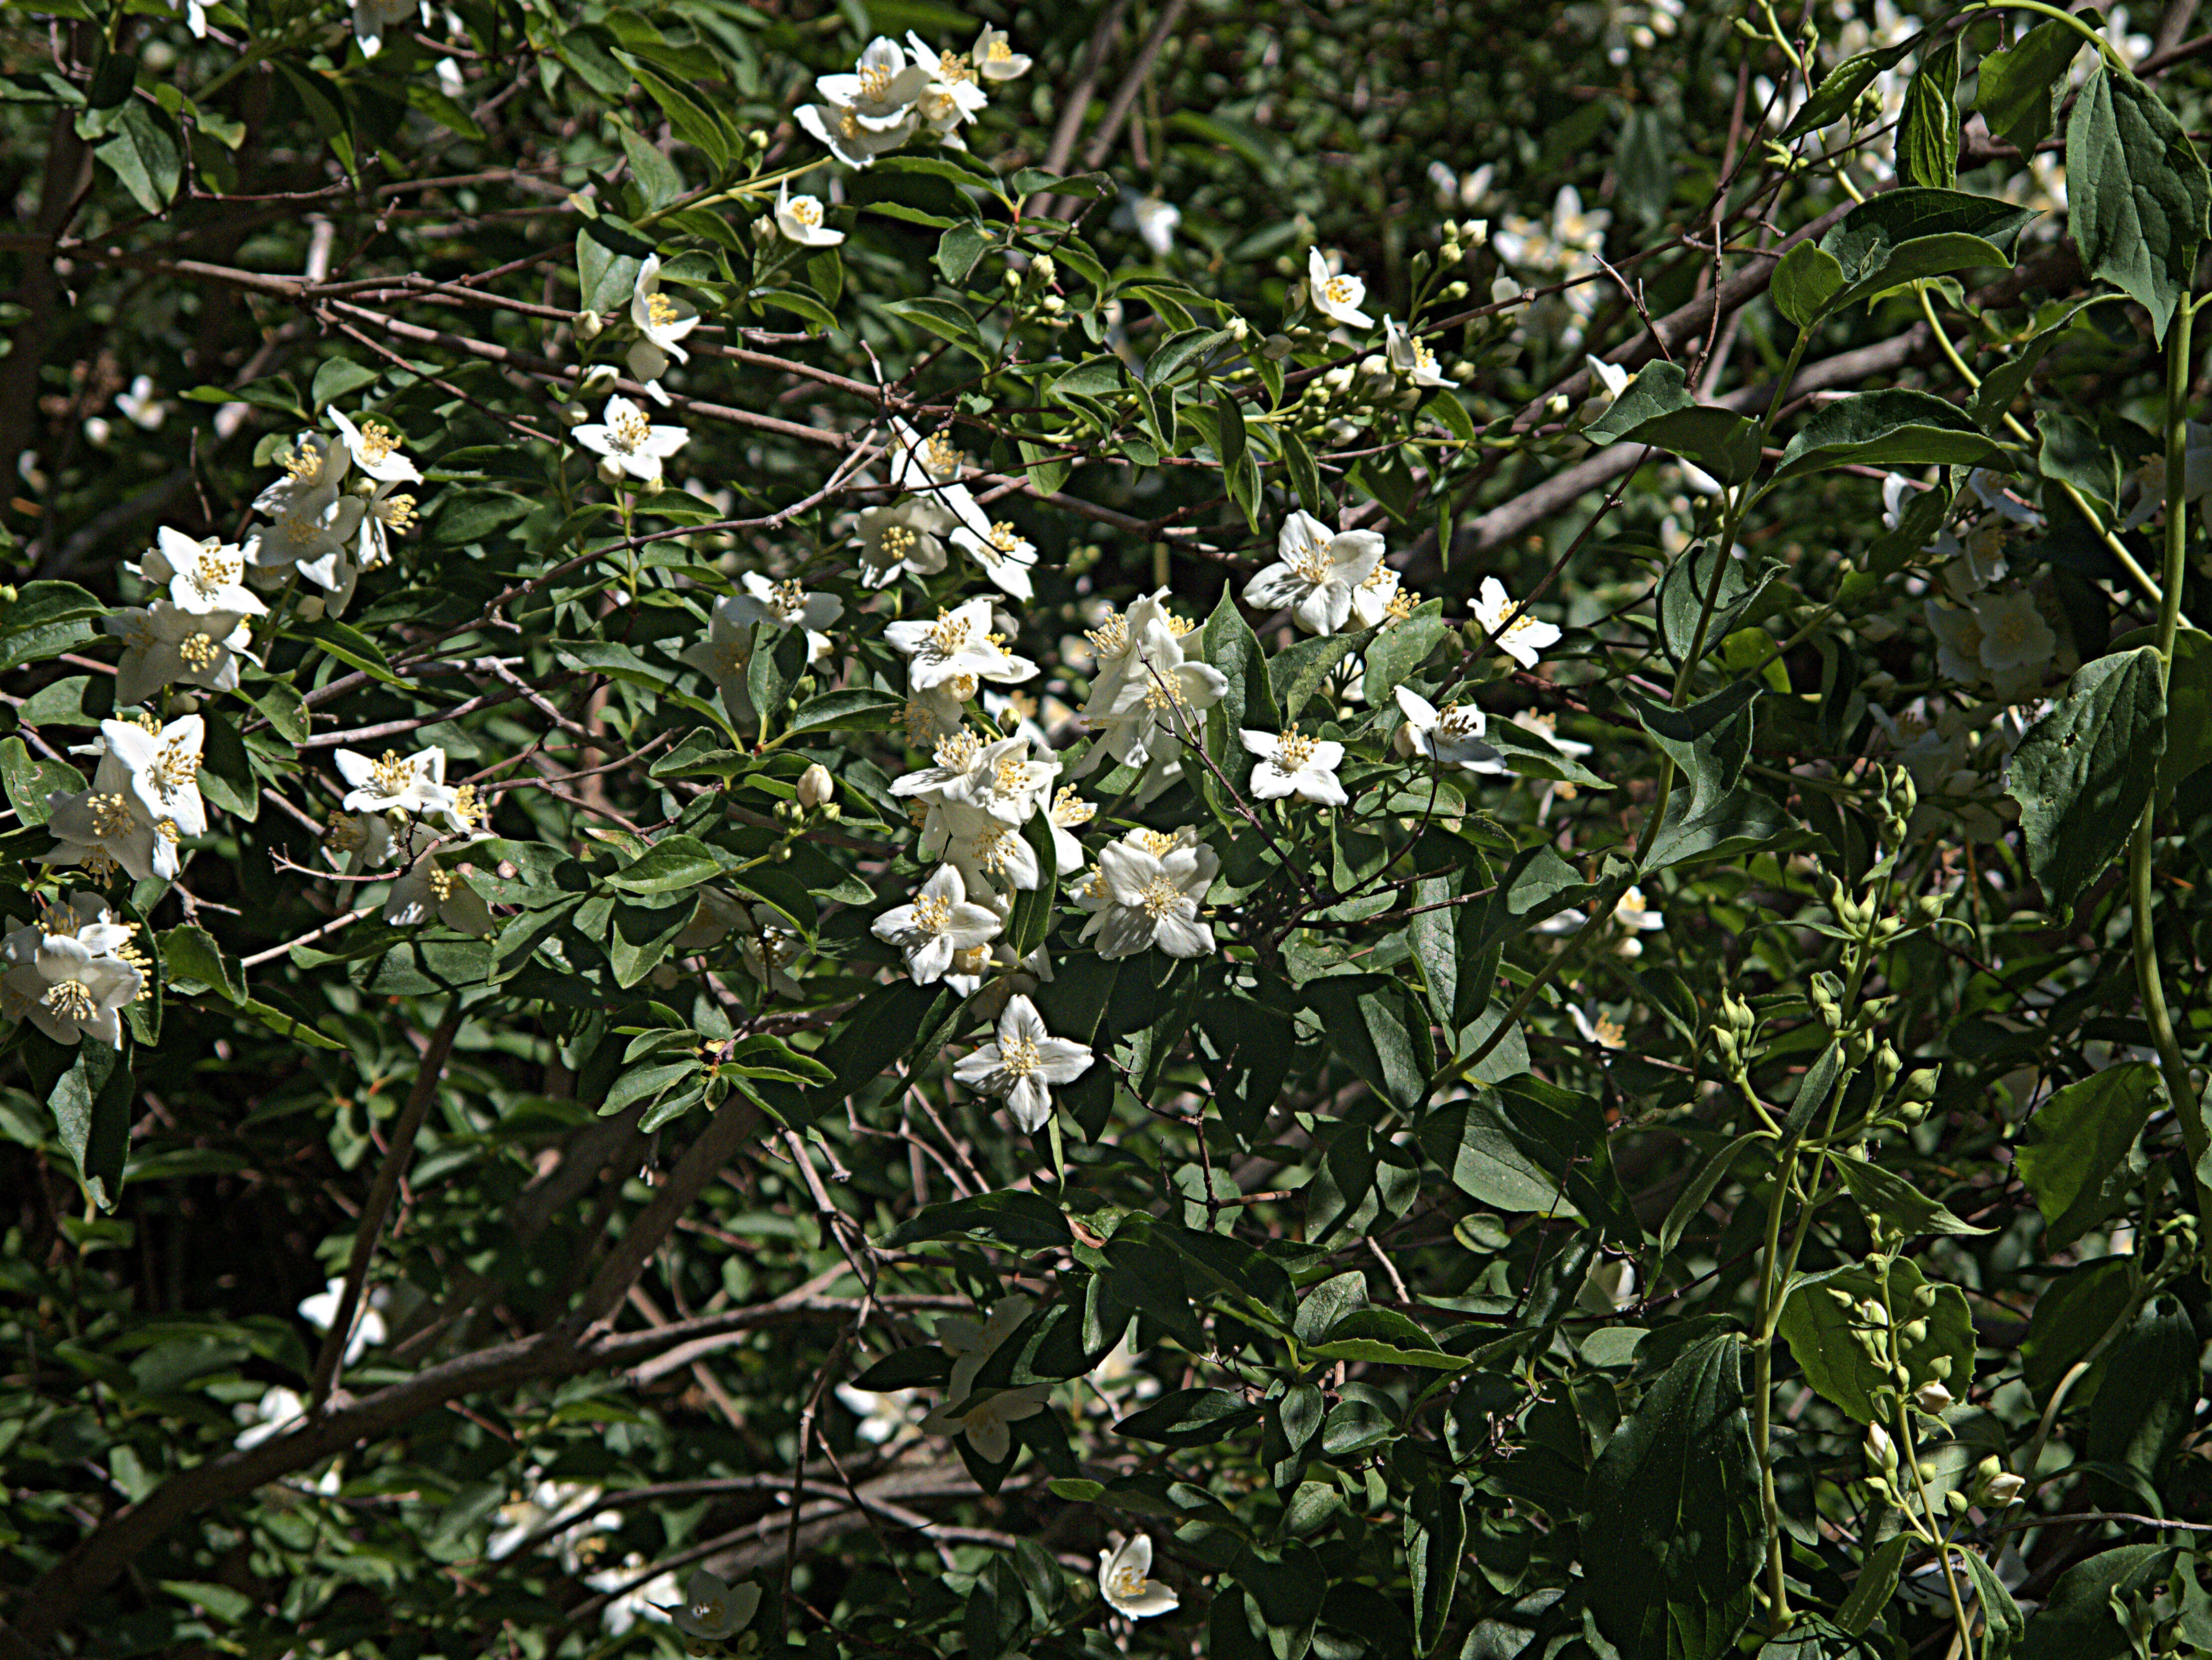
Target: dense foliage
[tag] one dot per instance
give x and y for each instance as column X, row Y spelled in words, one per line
column 1161, row 827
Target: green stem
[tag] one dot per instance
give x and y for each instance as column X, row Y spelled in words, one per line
column 2173, row 1066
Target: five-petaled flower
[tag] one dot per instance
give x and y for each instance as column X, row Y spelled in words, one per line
column 1023, row 1064
column 1451, row 736
column 1335, row 296
column 1147, row 890
column 941, row 921
column 1315, row 573
column 1291, row 763
column 628, row 444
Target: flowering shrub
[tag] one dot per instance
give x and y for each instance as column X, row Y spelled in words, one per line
column 1180, row 828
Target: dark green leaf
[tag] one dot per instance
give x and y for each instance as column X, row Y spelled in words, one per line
column 1893, row 1204
column 142, row 149
column 2078, row 1154
column 92, row 1106
column 1020, row 1221
column 1898, row 427
column 2081, row 1619
column 1928, row 131
column 672, row 863
column 2144, row 1406
column 1805, row 279
column 1875, row 1584
column 1675, row 1514
column 1840, row 88
column 1823, row 1334
column 1188, row 1418
column 2016, row 89
column 2084, row 772
column 2137, row 192
column 1656, row 409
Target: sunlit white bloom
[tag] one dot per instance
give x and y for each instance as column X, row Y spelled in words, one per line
column 72, row 972
column 902, row 540
column 885, row 1415
column 104, row 829
column 1410, row 356
column 374, row 447
column 630, row 1600
column 321, row 1309
column 1382, row 600
column 800, row 220
column 662, row 320
column 1123, row 1581
column 882, row 88
column 1148, row 889
column 387, row 510
column 1613, row 378
column 994, row 59
column 715, row 1610
column 984, row 1423
column 952, row 79
column 850, row 139
column 630, row 445
column 200, row 576
column 940, row 921
column 277, row 1410
column 568, row 1504
column 164, row 769
column 1523, row 638
column 195, row 21
column 1335, row 297
column 993, row 856
column 415, row 785
column 162, row 645
column 1002, row 552
column 1154, row 219
column 1451, row 736
column 785, row 606
column 1315, row 573
column 1024, row 1064
column 1068, row 810
column 1155, row 713
column 1291, row 763
column 1634, row 916
column 1598, row 1027
column 314, row 530
column 958, row 645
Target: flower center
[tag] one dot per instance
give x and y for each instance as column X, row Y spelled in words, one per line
column 1127, row 1583
column 70, row 1000
column 344, row 834
column 1633, row 904
column 466, row 808
column 940, row 456
column 709, row 1611
column 199, row 650
column 173, row 769
column 1069, row 808
column 391, row 775
column 998, row 52
column 630, row 430
column 660, row 311
column 441, row 884
column 1159, row 843
column 1311, row 562
column 875, row 80
column 1111, row 637
column 898, row 540
column 1610, row 1033
column 994, row 848
column 805, row 210
column 788, row 601
column 303, row 463
column 1339, row 290
column 1002, row 538
column 952, row 66
column 961, row 686
column 959, row 752
column 397, row 511
column 933, row 914
column 1295, row 751
column 213, row 573
column 848, row 124
column 377, row 442
column 1403, row 604
column 1161, row 897
column 301, row 526
column 949, row 634
column 1019, row 1057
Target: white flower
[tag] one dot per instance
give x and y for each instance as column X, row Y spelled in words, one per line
column 320, row 1309
column 629, row 444
column 953, row 95
column 799, row 219
column 940, row 921
column 201, row 576
column 958, row 647
column 2016, row 643
column 1291, row 763
column 1615, row 379
column 925, row 465
column 991, row 854
column 626, row 1607
column 1958, row 642
column 1315, row 572
column 374, row 447
column 1021, row 1065
column 1451, row 737
column 1410, row 356
column 1148, row 888
column 884, row 1416
column 163, row 768
column 1523, row 638
column 848, row 136
column 277, row 1410
column 985, row 1422
column 715, row 1610
column 724, row 656
column 1000, row 550
column 415, row 785
column 195, row 21
column 560, row 1502
column 882, row 88
column 69, row 973
column 1155, row 221
column 1598, row 1027
column 103, row 827
column 970, row 1342
column 427, row 890
column 1337, row 298
column 1123, row 1581
column 1933, row 1398
column 1155, row 713
column 1634, row 914
column 1069, row 809
column 994, row 59
column 902, row 539
column 371, row 18
column 784, row 605
column 162, row 645
column 663, row 320
column 386, row 510
column 1381, row 599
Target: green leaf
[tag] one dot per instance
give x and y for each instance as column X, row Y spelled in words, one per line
column 1656, row 409
column 225, row 774
column 1692, row 1199
column 884, row 1026
column 1492, row 1160
column 2144, row 1407
column 143, row 150
column 1378, row 1029
column 1682, row 592
column 1928, row 133
column 858, row 709
column 1876, row 1585
column 2078, row 1154
column 1296, row 672
column 1897, row 428
column 1839, row 89
column 2017, row 89
column 1892, row 1204
column 2002, row 1631
column 1871, row 238
column 1384, row 1337
column 1188, row 1418
column 27, row 781
column 1229, row 644
column 1805, row 279
column 2084, row 772
column 1305, row 476
column 959, row 249
column 1675, row 1514
column 1436, row 1540
column 1032, row 915
column 2081, row 1619
column 1823, row 1334
column 944, row 319
column 191, row 955
column 1095, row 377
column 1709, row 742
column 658, row 180
column 672, row 863
column 47, row 619
column 92, row 1106
column 2188, row 709
column 1017, row 1220
column 337, row 377
column 1401, row 648
column 607, row 255
column 2137, row 192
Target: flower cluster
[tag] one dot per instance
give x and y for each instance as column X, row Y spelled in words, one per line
column 73, row 970
column 895, row 91
column 324, row 529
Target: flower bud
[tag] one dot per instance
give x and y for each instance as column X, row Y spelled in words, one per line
column 597, row 381
column 814, row 786
column 1047, row 272
column 1933, row 1398
column 1881, row 1450
column 609, row 474
column 587, row 326
column 2003, row 1488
